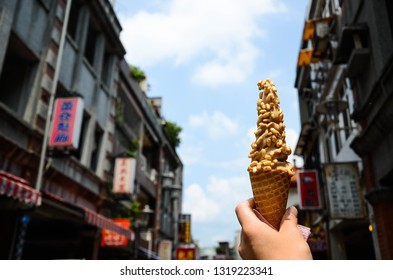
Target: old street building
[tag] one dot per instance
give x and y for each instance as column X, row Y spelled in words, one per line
column 344, row 81
column 55, row 203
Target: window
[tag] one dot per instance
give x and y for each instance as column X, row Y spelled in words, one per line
column 17, row 75
column 85, row 123
column 97, row 140
column 74, row 19
column 107, row 68
column 90, row 47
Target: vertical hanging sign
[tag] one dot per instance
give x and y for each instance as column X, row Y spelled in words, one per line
column 124, row 175
column 308, row 189
column 345, row 199
column 184, row 228
column 67, row 123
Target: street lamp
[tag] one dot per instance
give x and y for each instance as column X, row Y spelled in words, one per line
column 143, row 220
column 332, row 107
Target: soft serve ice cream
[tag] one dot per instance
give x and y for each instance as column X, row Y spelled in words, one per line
column 269, row 150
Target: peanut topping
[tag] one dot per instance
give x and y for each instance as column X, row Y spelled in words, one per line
column 269, row 150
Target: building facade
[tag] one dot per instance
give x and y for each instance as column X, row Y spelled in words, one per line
column 344, row 87
column 55, row 203
column 159, row 170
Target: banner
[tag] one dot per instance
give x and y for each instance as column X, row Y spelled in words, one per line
column 112, row 239
column 124, row 175
column 308, row 189
column 66, row 123
column 345, row 200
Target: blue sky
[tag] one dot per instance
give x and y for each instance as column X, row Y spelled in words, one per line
column 204, row 58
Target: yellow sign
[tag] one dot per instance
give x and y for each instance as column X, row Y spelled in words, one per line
column 183, row 253
column 309, row 30
column 305, row 57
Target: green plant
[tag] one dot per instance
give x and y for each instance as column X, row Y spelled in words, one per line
column 131, row 212
column 135, row 210
column 137, row 73
column 132, row 148
column 173, row 131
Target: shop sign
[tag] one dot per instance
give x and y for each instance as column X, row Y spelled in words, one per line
column 308, row 189
column 124, row 175
column 66, row 123
column 112, row 239
column 345, row 200
column 185, row 228
column 165, row 250
column 185, row 253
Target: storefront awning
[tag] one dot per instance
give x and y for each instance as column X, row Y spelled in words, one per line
column 103, row 222
column 92, row 217
column 19, row 189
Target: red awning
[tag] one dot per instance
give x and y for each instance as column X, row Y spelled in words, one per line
column 18, row 189
column 94, row 218
column 103, row 222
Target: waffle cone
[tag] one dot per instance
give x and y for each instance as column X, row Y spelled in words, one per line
column 270, row 190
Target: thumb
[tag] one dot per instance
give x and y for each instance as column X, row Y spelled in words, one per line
column 289, row 219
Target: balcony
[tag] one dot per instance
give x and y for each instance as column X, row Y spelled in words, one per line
column 353, row 49
column 146, row 176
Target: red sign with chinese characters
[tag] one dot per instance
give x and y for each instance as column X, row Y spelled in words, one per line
column 112, row 239
column 124, row 175
column 185, row 253
column 308, row 189
column 66, row 123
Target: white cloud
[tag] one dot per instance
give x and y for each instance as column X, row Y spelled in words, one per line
column 201, row 207
column 190, row 154
column 217, row 124
column 219, row 32
column 217, row 200
column 233, row 69
column 236, row 164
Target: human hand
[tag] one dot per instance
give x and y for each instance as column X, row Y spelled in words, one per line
column 261, row 241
